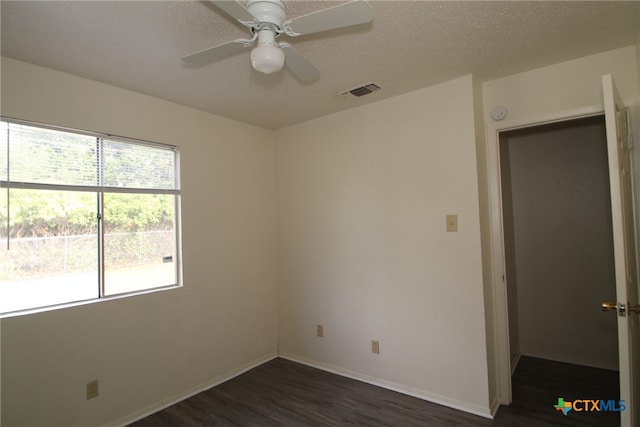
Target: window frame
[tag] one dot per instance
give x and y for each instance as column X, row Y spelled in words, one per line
column 100, row 191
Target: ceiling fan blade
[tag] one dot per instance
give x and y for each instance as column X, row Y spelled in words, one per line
column 298, row 65
column 235, row 10
column 218, row 52
column 343, row 15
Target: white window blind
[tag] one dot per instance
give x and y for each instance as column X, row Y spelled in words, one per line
column 84, row 216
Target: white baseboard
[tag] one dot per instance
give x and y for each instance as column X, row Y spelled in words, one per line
column 495, row 405
column 420, row 394
column 165, row 403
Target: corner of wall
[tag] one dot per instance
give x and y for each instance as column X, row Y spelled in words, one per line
column 485, row 233
column 222, row 321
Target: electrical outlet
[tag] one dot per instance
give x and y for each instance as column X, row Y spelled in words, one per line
column 375, row 346
column 320, row 330
column 92, row 389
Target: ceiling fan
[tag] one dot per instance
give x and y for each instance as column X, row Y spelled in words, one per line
column 267, row 20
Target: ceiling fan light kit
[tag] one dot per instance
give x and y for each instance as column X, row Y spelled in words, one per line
column 267, row 57
column 267, row 20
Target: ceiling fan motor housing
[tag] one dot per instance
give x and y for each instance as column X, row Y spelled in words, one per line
column 271, row 11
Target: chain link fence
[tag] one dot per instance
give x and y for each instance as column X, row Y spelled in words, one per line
column 35, row 257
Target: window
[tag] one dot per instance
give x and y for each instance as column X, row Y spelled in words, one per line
column 84, row 216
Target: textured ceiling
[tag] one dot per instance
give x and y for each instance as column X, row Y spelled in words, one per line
column 410, row 44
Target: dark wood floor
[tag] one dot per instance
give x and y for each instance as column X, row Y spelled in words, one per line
column 284, row 393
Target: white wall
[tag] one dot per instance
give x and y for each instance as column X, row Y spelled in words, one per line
column 150, row 349
column 363, row 250
column 566, row 88
column 563, row 87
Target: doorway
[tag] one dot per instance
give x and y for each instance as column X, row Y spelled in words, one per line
column 558, row 243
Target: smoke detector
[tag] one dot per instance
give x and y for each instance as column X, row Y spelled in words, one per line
column 361, row 90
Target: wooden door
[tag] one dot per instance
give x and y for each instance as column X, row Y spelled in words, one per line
column 624, row 245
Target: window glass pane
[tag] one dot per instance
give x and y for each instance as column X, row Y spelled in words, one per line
column 139, row 242
column 51, row 157
column 53, row 248
column 138, row 166
column 52, row 251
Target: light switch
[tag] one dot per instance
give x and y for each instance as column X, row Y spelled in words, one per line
column 452, row 223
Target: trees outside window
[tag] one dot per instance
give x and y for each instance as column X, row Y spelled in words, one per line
column 84, row 216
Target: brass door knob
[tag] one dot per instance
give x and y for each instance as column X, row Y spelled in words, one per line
column 622, row 309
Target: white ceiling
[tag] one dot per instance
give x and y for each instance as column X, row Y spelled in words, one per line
column 410, row 44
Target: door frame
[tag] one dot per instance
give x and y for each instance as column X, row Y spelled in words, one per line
column 498, row 283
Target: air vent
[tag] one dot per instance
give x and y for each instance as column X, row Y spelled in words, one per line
column 359, row 91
